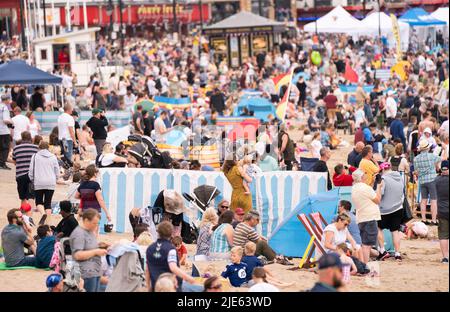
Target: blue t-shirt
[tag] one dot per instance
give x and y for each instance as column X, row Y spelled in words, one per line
column 252, row 262
column 236, row 273
column 44, row 251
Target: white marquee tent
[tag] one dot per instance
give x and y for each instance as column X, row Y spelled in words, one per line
column 337, row 20
column 371, row 26
column 441, row 14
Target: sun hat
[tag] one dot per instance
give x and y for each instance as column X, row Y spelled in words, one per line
column 423, row 145
column 331, row 260
column 239, row 211
column 25, row 207
column 428, row 130
column 53, row 280
column 173, row 202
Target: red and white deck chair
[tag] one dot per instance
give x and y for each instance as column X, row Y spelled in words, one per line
column 315, row 242
column 319, row 222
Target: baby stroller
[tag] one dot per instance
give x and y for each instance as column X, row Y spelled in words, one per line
column 202, row 196
column 147, row 154
column 161, row 211
column 63, row 263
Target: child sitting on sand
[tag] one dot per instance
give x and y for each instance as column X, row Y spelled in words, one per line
column 236, row 271
column 181, row 249
column 254, row 262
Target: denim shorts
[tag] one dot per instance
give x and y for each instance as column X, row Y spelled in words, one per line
column 369, row 232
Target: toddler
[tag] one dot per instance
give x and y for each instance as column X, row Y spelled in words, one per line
column 181, row 249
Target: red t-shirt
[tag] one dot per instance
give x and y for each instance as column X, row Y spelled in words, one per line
column 330, row 101
column 181, row 251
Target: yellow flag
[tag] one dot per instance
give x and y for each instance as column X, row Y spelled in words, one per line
column 282, row 106
column 396, row 32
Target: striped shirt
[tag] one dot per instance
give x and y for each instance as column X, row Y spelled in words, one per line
column 219, row 242
column 425, row 165
column 22, row 154
column 243, row 233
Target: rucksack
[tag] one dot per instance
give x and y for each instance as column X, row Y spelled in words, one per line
column 158, row 84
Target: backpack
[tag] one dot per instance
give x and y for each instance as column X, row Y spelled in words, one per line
column 158, row 84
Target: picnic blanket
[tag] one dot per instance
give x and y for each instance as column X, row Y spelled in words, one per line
column 3, row 267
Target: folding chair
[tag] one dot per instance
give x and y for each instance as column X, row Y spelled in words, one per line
column 319, row 221
column 315, row 242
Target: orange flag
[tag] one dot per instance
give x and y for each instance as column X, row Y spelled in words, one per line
column 350, row 74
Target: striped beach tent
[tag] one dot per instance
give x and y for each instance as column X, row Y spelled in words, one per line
column 172, row 103
column 207, row 155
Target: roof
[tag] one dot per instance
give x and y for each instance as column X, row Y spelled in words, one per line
column 19, row 72
column 419, row 17
column 244, row 19
column 67, row 35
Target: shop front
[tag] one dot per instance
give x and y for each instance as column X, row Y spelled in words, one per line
column 241, row 36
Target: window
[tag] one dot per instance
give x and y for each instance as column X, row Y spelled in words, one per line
column 85, row 51
column 44, row 55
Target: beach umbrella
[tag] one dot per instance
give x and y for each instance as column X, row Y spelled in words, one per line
column 146, row 105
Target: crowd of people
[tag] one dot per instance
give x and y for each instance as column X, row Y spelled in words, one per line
column 401, row 137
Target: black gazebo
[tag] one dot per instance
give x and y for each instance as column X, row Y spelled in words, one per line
column 242, row 35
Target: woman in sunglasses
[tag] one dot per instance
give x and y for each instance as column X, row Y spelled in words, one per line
column 337, row 233
column 223, row 206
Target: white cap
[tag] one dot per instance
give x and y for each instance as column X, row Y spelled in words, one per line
column 427, row 130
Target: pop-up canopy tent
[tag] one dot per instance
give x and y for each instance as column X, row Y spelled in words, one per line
column 261, row 107
column 376, row 21
column 441, row 14
column 423, row 24
column 337, row 20
column 19, row 72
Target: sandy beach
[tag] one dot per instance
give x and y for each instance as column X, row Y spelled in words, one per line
column 420, row 271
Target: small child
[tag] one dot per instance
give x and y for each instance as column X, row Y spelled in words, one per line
column 246, row 165
column 45, row 247
column 181, row 249
column 345, row 254
column 72, row 190
column 236, row 271
column 25, row 208
column 254, row 262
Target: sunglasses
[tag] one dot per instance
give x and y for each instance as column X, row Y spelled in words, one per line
column 225, row 207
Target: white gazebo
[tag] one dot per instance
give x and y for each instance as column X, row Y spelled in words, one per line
column 441, row 14
column 380, row 21
column 337, row 20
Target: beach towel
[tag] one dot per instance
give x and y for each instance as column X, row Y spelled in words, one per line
column 3, row 267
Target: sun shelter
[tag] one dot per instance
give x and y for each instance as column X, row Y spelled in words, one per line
column 20, row 73
column 261, row 107
column 441, row 14
column 422, row 23
column 243, row 35
column 376, row 21
column 337, row 20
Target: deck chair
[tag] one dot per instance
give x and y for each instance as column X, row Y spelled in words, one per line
column 341, row 123
column 307, row 164
column 319, row 221
column 315, row 242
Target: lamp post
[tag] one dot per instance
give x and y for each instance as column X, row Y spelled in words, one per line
column 315, row 13
column 109, row 12
column 22, row 25
column 174, row 7
column 121, row 8
column 45, row 18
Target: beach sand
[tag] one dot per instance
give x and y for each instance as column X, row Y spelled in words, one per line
column 420, row 271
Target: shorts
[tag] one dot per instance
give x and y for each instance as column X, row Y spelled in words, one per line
column 443, row 229
column 369, row 232
column 23, row 187
column 391, row 221
column 428, row 189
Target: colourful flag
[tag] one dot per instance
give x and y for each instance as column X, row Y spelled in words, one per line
column 396, row 33
column 282, row 80
column 282, row 105
column 350, row 74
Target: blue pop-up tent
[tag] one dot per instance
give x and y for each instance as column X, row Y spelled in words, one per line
column 420, row 17
column 19, row 72
column 261, row 107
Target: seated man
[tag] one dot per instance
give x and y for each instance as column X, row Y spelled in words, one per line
column 68, row 223
column 343, row 175
column 14, row 239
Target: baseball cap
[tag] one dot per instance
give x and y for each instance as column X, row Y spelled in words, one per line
column 444, row 165
column 427, row 130
column 96, row 111
column 239, row 211
column 53, row 280
column 75, row 113
column 330, row 260
column 25, row 207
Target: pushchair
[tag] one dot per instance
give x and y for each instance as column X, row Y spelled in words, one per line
column 63, row 263
column 147, row 154
column 202, row 196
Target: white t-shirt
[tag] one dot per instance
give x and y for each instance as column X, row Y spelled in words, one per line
column 107, row 159
column 4, row 115
column 359, row 117
column 316, row 147
column 339, row 236
column 129, row 101
column 64, row 122
column 21, row 124
column 391, row 107
column 263, row 287
column 158, row 124
column 366, row 209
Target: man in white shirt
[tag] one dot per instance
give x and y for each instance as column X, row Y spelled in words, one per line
column 151, row 86
column 66, row 132
column 429, row 65
column 391, row 107
column 160, row 128
column 21, row 123
column 5, row 134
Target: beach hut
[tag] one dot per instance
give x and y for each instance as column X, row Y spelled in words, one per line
column 337, row 20
column 380, row 21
